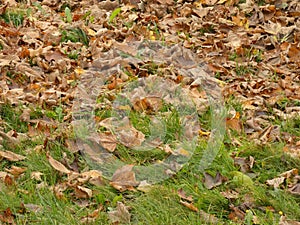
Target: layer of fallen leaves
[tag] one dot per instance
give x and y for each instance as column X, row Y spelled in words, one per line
column 253, row 49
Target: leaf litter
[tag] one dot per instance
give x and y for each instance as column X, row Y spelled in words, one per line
column 253, row 49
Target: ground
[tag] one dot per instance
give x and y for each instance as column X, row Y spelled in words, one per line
column 211, row 85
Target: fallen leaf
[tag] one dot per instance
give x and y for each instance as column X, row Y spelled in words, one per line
column 284, row 221
column 83, row 192
column 57, row 165
column 181, row 193
column 120, row 215
column 108, row 141
column 16, row 171
column 211, row 182
column 11, row 156
column 7, row 217
column 189, row 205
column 124, row 178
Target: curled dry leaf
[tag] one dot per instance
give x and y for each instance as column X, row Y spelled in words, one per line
column 181, row 193
column 11, row 156
column 189, row 205
column 7, row 217
column 276, row 182
column 124, row 178
column 120, row 215
column 83, row 192
column 16, row 171
column 57, row 165
column 92, row 176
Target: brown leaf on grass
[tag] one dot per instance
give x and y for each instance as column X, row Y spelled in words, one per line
column 211, row 182
column 11, row 156
column 295, row 189
column 284, row 221
column 230, row 194
column 124, row 178
column 236, row 214
column 128, row 135
column 234, row 123
column 16, row 171
column 59, row 189
column 276, row 182
column 7, row 217
column 181, row 193
column 208, row 218
column 91, row 217
column 10, row 138
column 8, row 180
column 57, row 165
column 189, row 205
column 108, row 141
column 83, row 192
column 92, row 176
column 245, row 164
column 120, row 215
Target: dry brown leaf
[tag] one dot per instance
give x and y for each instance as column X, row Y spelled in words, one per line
column 11, row 156
column 211, row 182
column 57, row 165
column 7, row 217
column 120, row 215
column 129, row 136
column 276, row 182
column 124, row 178
column 108, row 141
column 189, row 205
column 92, row 176
column 234, row 123
column 245, row 164
column 181, row 193
column 285, row 221
column 92, row 216
column 16, row 171
column 83, row 192
column 208, row 218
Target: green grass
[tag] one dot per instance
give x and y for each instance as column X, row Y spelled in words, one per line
column 11, row 116
column 13, row 17
column 75, row 35
column 161, row 205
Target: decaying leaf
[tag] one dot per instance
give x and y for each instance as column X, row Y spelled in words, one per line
column 183, row 196
column 189, row 205
column 120, row 214
column 83, row 192
column 245, row 164
column 129, row 136
column 124, row 178
column 11, row 156
column 108, row 141
column 57, row 165
column 16, row 171
column 211, row 182
column 7, row 217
